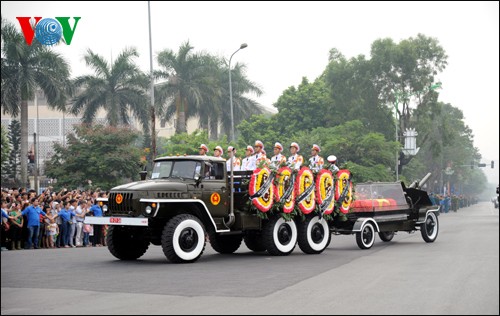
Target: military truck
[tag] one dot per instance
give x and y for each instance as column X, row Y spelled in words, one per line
column 190, row 200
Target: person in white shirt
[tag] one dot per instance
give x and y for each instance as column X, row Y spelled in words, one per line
column 295, row 160
column 278, row 157
column 316, row 162
column 248, row 162
column 231, row 151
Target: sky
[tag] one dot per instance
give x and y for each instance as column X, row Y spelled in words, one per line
column 290, row 40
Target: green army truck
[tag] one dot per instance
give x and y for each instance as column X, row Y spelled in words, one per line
column 189, row 200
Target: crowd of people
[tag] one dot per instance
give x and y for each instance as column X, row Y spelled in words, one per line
column 50, row 219
column 451, row 202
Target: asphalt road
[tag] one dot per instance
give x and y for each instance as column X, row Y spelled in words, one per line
column 457, row 274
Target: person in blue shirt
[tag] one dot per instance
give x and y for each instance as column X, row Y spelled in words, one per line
column 65, row 214
column 97, row 212
column 32, row 213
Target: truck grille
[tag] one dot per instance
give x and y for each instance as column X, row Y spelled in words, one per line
column 125, row 207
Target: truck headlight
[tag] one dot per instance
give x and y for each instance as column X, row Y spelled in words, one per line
column 104, row 208
column 148, row 209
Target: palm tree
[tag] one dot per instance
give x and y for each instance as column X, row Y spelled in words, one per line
column 24, row 70
column 118, row 88
column 190, row 82
column 243, row 107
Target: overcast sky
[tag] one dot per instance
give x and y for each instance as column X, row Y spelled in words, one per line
column 289, row 40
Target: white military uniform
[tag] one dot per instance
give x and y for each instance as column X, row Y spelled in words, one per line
column 295, row 161
column 316, row 163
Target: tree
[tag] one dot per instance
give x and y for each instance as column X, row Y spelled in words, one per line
column 243, row 106
column 118, row 88
column 5, row 153
column 305, row 107
column 24, row 70
column 404, row 70
column 14, row 137
column 189, row 83
column 106, row 155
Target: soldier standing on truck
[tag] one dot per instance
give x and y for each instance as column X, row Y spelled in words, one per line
column 295, row 160
column 203, row 150
column 231, row 152
column 218, row 151
column 248, row 162
column 316, row 162
column 278, row 157
column 259, row 154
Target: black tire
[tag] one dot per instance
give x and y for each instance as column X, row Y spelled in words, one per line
column 314, row 235
column 127, row 242
column 386, row 236
column 253, row 241
column 430, row 228
column 183, row 239
column 366, row 237
column 279, row 236
column 225, row 243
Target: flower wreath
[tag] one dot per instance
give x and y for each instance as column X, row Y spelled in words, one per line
column 325, row 191
column 304, row 190
column 343, row 191
column 261, row 189
column 284, row 191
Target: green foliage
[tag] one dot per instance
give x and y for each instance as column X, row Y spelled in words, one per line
column 118, row 88
column 304, row 108
column 14, row 137
column 105, row 155
column 5, row 152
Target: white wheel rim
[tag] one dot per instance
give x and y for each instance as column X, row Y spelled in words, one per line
column 372, row 240
column 199, row 246
column 322, row 244
column 435, row 230
column 293, row 239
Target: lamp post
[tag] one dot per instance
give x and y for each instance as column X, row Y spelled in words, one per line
column 407, row 95
column 244, row 45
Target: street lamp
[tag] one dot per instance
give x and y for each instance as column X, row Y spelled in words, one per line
column 407, row 95
column 244, row 45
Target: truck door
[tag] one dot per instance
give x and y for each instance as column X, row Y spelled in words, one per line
column 215, row 189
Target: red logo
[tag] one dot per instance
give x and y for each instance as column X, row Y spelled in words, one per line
column 215, row 198
column 119, row 199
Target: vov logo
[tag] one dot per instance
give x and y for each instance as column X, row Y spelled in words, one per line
column 48, row 31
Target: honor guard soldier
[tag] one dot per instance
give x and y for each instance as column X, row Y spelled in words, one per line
column 218, row 151
column 333, row 163
column 316, row 162
column 259, row 154
column 248, row 162
column 295, row 160
column 231, row 152
column 278, row 157
column 203, row 150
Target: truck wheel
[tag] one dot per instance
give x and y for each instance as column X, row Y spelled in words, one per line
column 253, row 241
column 279, row 236
column 366, row 237
column 314, row 235
column 126, row 242
column 386, row 236
column 225, row 243
column 430, row 228
column 183, row 239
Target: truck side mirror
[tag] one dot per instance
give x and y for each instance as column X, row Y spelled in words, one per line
column 143, row 174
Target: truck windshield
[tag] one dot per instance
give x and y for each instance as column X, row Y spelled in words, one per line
column 183, row 169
